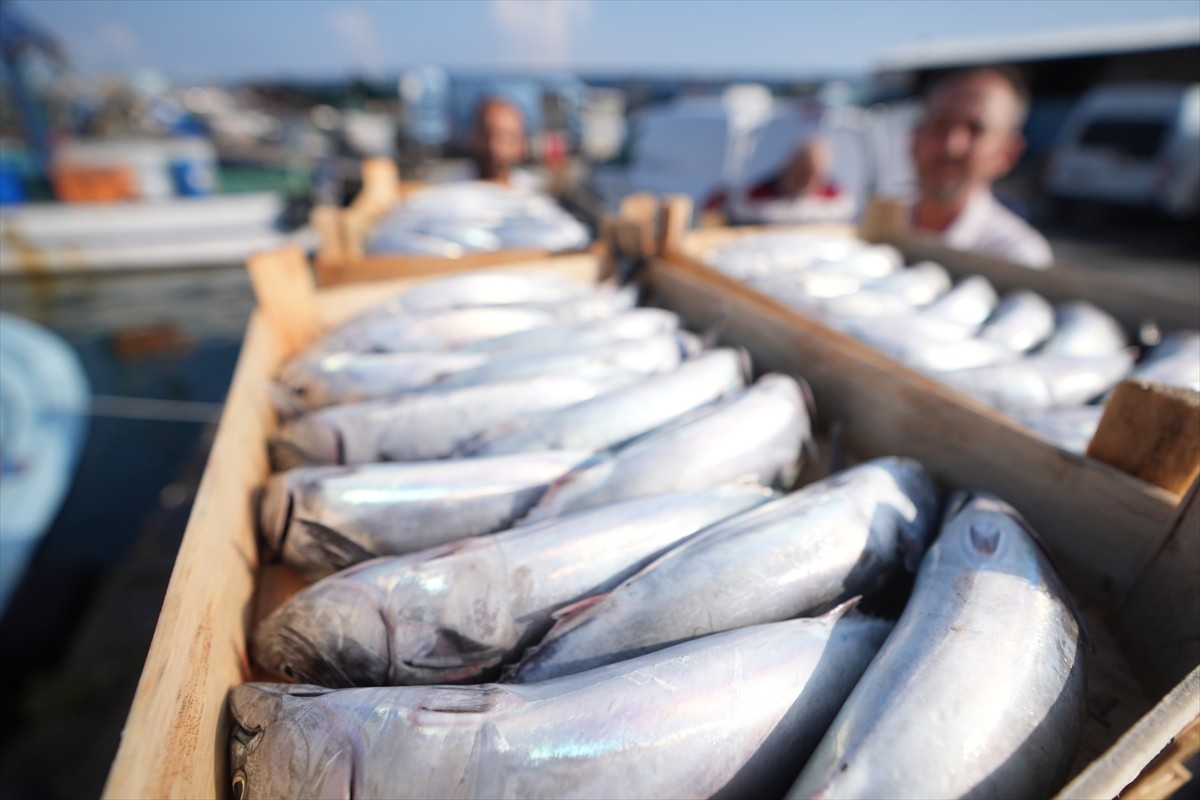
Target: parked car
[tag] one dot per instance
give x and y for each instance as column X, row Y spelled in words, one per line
column 1131, row 144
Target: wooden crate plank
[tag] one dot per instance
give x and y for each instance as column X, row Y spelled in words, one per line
column 286, row 295
column 1160, row 615
column 1109, row 775
column 1152, row 431
column 889, row 409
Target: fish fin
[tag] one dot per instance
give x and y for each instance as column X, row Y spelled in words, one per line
column 565, row 613
column 471, row 445
column 542, row 509
column 842, row 609
column 335, row 549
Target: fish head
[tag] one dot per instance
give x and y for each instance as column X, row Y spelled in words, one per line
column 981, row 532
column 311, row 439
column 282, row 744
column 331, row 634
column 275, row 508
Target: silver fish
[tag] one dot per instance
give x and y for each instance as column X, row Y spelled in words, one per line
column 777, row 252
column 1041, row 381
column 918, row 285
column 1175, row 361
column 730, row 715
column 449, row 330
column 870, row 261
column 940, row 355
column 311, row 382
column 757, row 434
column 639, row 356
column 489, row 288
column 979, row 692
column 426, row 425
column 969, row 303
column 639, row 323
column 456, row 613
column 1071, row 428
column 1081, row 329
column 832, row 540
column 602, row 303
column 622, row 414
column 322, row 519
column 1022, row 321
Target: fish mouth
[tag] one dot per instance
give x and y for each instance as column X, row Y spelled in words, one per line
column 275, row 515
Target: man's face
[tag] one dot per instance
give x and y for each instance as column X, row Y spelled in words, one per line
column 967, row 139
column 499, row 140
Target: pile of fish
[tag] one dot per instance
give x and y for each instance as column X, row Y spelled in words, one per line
column 473, row 216
column 1050, row 367
column 576, row 577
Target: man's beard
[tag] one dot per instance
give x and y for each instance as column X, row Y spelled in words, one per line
column 947, row 192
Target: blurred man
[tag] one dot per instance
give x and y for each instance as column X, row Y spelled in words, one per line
column 802, row 192
column 970, row 137
column 498, row 143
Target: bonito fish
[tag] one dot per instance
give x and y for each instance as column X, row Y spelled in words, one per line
column 639, row 323
column 315, row 381
column 730, row 715
column 448, row 330
column 455, row 613
column 1022, row 320
column 757, row 434
column 1083, row 330
column 1041, row 381
column 623, row 414
column 429, row 424
column 917, row 285
column 639, row 356
column 840, row 537
column 1175, row 361
column 322, row 519
column 979, row 692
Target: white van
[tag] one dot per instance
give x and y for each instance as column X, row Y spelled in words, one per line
column 1131, row 144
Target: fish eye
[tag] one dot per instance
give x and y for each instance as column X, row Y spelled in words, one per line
column 239, row 785
column 287, row 671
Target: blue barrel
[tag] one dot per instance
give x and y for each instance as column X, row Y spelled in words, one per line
column 12, row 189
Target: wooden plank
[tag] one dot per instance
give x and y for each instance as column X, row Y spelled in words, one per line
column 171, row 744
column 889, row 409
column 1151, row 431
column 326, row 222
column 677, row 217
column 1160, row 615
column 376, row 268
column 380, row 189
column 286, row 295
column 1171, row 719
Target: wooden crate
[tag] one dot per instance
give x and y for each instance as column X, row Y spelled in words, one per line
column 342, row 235
column 174, row 744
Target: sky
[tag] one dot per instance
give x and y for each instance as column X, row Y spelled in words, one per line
column 240, row 39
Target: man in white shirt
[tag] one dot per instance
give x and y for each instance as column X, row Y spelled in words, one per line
column 970, row 137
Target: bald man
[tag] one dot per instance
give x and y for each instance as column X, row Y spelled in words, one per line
column 801, row 193
column 970, row 137
column 498, row 143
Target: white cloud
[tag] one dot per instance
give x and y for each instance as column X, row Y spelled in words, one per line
column 356, row 30
column 537, row 33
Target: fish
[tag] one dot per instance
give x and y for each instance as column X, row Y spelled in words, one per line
column 316, row 381
column 843, row 536
column 937, row 355
column 1071, row 428
column 647, row 356
column 453, row 329
column 1174, row 361
column 322, row 519
column 867, row 260
column 969, row 303
column 776, row 252
column 919, row 285
column 980, row 689
column 730, row 715
column 1083, row 330
column 625, row 413
column 1022, row 320
column 639, row 323
column 1040, row 381
column 755, row 435
column 456, row 613
column 489, row 288
column 426, row 424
